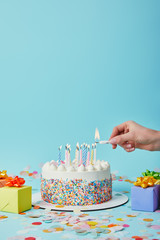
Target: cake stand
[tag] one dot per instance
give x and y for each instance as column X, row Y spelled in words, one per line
column 117, row 200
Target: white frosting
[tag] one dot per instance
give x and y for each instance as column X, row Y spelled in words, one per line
column 61, row 168
column 104, row 164
column 53, row 162
column 99, row 171
column 81, row 168
column 98, row 166
column 70, row 169
column 90, row 168
column 53, row 167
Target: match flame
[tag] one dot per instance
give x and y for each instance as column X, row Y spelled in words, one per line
column 97, row 137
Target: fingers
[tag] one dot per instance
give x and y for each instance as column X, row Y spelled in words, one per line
column 127, row 146
column 118, row 129
column 121, row 139
column 114, row 146
column 130, row 149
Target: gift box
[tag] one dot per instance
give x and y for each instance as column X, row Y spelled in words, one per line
column 145, row 199
column 15, row 199
column 2, row 182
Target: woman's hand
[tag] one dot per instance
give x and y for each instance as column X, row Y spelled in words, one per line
column 131, row 135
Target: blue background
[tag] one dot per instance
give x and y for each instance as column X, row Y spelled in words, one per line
column 67, row 67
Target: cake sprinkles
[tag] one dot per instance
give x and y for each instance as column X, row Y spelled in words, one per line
column 76, row 192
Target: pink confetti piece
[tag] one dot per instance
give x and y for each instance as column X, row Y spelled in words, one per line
column 156, row 227
column 126, row 225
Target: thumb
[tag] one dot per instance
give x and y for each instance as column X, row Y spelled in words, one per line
column 120, row 139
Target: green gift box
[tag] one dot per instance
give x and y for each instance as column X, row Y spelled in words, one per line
column 15, row 199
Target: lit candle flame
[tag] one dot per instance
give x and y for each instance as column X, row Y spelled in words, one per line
column 97, row 136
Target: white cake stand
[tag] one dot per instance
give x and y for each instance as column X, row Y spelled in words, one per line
column 117, row 200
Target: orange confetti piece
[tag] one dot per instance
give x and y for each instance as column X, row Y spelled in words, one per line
column 59, row 206
column 46, row 231
column 69, row 225
column 137, row 238
column 36, row 207
column 131, row 215
column 2, row 217
column 22, row 213
column 127, row 180
column 112, row 225
column 59, row 229
column 148, row 219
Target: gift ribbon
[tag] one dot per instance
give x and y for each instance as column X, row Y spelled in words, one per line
column 154, row 174
column 145, row 182
column 3, row 174
column 14, row 182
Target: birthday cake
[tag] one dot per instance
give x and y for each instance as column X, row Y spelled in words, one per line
column 84, row 181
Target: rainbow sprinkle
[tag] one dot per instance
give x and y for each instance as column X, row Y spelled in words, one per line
column 76, row 192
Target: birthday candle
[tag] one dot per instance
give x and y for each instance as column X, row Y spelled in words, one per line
column 66, row 153
column 80, row 155
column 69, row 156
column 88, row 155
column 95, row 153
column 83, row 153
column 92, row 155
column 59, row 155
column 77, row 154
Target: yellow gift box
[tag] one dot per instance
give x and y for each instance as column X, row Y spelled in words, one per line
column 15, row 199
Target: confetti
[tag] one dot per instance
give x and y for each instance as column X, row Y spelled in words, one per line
column 148, row 219
column 59, row 229
column 47, row 231
column 30, row 238
column 156, row 227
column 92, row 223
column 3, row 217
column 34, row 215
column 36, row 223
column 36, row 207
column 126, row 225
column 121, row 219
column 78, row 225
